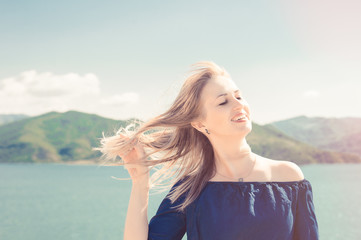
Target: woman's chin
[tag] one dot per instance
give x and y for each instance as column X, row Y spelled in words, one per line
column 242, row 126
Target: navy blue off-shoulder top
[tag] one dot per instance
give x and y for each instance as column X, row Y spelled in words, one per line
column 239, row 211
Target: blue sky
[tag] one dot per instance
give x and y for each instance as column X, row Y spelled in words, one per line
column 122, row 59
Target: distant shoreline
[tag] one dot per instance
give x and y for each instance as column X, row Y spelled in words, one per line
column 81, row 162
column 90, row 162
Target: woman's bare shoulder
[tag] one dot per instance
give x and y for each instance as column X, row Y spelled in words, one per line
column 285, row 171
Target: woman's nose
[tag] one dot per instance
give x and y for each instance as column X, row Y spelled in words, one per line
column 238, row 103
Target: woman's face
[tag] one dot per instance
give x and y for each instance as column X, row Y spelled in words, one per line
column 223, row 108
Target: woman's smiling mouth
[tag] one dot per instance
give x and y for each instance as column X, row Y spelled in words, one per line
column 241, row 117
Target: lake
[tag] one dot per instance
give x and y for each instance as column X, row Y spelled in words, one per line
column 58, row 201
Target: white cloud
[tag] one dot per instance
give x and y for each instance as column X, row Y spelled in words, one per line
column 50, row 85
column 36, row 93
column 311, row 94
column 120, row 99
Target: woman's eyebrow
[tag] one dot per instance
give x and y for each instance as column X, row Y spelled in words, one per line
column 225, row 94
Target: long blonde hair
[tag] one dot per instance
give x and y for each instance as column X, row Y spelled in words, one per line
column 172, row 142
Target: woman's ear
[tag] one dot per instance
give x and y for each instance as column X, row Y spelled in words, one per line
column 197, row 125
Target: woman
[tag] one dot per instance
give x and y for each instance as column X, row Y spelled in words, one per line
column 222, row 189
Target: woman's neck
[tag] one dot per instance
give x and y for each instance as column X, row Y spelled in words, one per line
column 233, row 156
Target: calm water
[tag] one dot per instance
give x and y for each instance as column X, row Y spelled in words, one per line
column 51, row 201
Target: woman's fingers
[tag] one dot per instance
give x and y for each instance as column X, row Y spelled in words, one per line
column 133, row 157
column 140, row 150
column 133, row 154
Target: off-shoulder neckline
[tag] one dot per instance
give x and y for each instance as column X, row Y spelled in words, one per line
column 266, row 182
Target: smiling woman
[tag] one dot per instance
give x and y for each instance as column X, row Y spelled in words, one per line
column 221, row 189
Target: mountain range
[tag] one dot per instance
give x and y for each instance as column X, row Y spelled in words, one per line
column 70, row 136
column 54, row 137
column 334, row 134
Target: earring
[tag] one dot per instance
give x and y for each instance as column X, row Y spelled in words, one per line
column 207, row 131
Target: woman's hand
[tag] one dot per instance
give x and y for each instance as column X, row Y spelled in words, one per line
column 135, row 154
column 136, row 223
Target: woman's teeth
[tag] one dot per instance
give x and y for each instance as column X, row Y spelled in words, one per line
column 240, row 118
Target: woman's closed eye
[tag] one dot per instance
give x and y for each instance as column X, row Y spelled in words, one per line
column 223, row 103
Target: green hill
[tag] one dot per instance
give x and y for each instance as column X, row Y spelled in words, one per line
column 70, row 136
column 334, row 134
column 270, row 142
column 54, row 137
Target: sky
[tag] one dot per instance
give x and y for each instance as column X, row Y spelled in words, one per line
column 123, row 59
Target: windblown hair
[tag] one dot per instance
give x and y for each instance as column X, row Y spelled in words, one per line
column 172, row 142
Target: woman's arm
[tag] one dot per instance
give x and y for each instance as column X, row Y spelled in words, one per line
column 305, row 223
column 168, row 223
column 136, row 223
